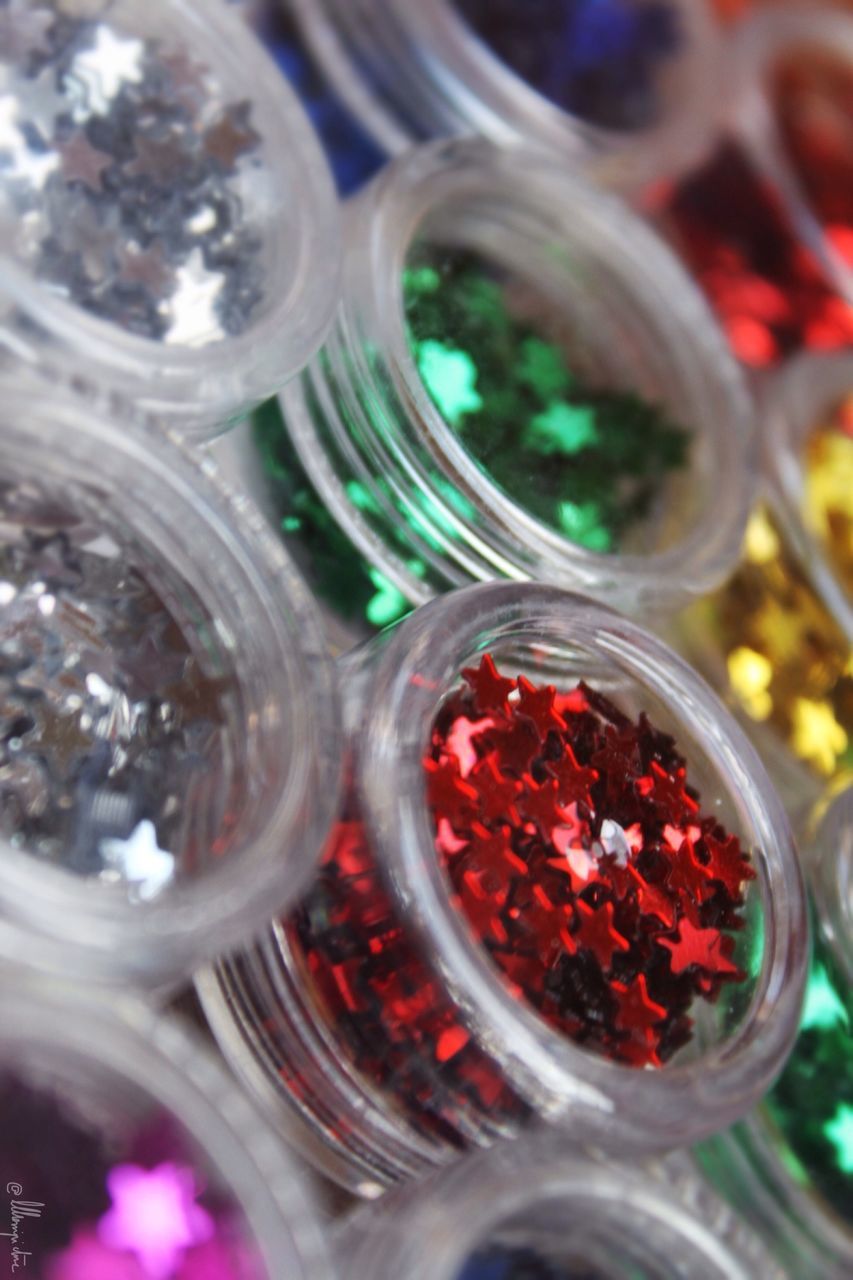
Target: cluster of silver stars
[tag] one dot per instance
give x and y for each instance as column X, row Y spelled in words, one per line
column 124, row 174
column 112, row 736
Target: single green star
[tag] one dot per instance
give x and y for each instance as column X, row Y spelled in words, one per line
column 822, row 1006
column 450, row 377
column 839, row 1130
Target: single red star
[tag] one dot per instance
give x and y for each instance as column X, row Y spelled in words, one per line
column 449, row 796
column 616, row 760
column 496, row 792
column 574, row 779
column 652, row 899
column 637, row 1011
column 517, row 746
column 542, row 806
column 491, row 851
column 667, row 793
column 597, row 932
column 702, row 947
column 728, row 863
column 687, row 876
column 537, row 704
column 491, row 690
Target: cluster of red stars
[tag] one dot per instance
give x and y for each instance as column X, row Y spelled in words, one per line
column 579, row 854
column 770, row 293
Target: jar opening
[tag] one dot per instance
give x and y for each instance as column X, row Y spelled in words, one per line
column 542, row 377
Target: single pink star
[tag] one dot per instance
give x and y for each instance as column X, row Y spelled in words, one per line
column 154, row 1216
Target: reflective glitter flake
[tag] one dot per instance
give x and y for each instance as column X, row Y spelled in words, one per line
column 622, row 902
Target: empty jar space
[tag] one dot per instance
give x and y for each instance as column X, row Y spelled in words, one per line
column 122, row 756
column 553, row 389
column 608, row 65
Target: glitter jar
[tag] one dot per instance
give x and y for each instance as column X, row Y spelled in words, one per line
column 128, row 1152
column 778, row 636
column 379, row 1063
column 414, row 72
column 168, row 223
column 581, row 313
column 789, row 1165
column 168, row 716
column 795, row 72
column 532, row 1209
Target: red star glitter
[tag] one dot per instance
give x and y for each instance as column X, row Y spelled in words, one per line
column 602, row 892
column 700, row 947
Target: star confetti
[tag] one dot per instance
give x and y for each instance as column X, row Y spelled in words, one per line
column 620, row 887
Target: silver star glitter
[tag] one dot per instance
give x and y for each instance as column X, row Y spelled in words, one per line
column 125, row 178
column 111, row 729
column 98, row 74
column 23, row 30
column 192, row 305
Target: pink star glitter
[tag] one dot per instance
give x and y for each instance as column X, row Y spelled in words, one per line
column 154, row 1216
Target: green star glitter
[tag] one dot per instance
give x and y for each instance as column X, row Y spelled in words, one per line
column 811, row 1106
column 355, row 591
column 590, row 463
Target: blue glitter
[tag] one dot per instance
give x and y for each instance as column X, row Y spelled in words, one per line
column 354, row 158
column 598, row 59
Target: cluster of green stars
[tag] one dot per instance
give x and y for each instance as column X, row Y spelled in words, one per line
column 589, row 463
column 812, row 1104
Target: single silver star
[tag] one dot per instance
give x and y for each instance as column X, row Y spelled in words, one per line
column 81, row 162
column 98, row 74
column 140, row 860
column 194, row 319
column 18, row 160
column 40, row 102
column 23, row 30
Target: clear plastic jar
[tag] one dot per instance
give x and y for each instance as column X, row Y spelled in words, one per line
column 787, row 1167
column 168, row 223
column 455, row 1057
column 803, row 159
column 777, row 636
column 413, row 72
column 593, row 289
column 168, row 761
column 128, row 1151
column 531, row 1202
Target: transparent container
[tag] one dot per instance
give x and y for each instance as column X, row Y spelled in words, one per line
column 572, row 1213
column 787, row 1166
column 764, row 46
column 805, row 397
column 777, row 638
column 168, row 765
column 414, row 72
column 374, row 1088
column 575, row 275
column 128, row 1151
column 168, row 224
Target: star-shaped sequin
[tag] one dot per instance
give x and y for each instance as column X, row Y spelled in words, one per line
column 154, row 1215
column 637, row 1010
column 701, row 947
column 98, row 74
column 598, row 934
column 81, row 162
column 194, row 320
column 23, row 30
column 574, row 780
column 537, row 704
column 491, row 690
column 449, row 794
column 728, row 864
column 497, row 793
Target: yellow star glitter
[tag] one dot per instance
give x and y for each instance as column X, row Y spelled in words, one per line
column 817, row 735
